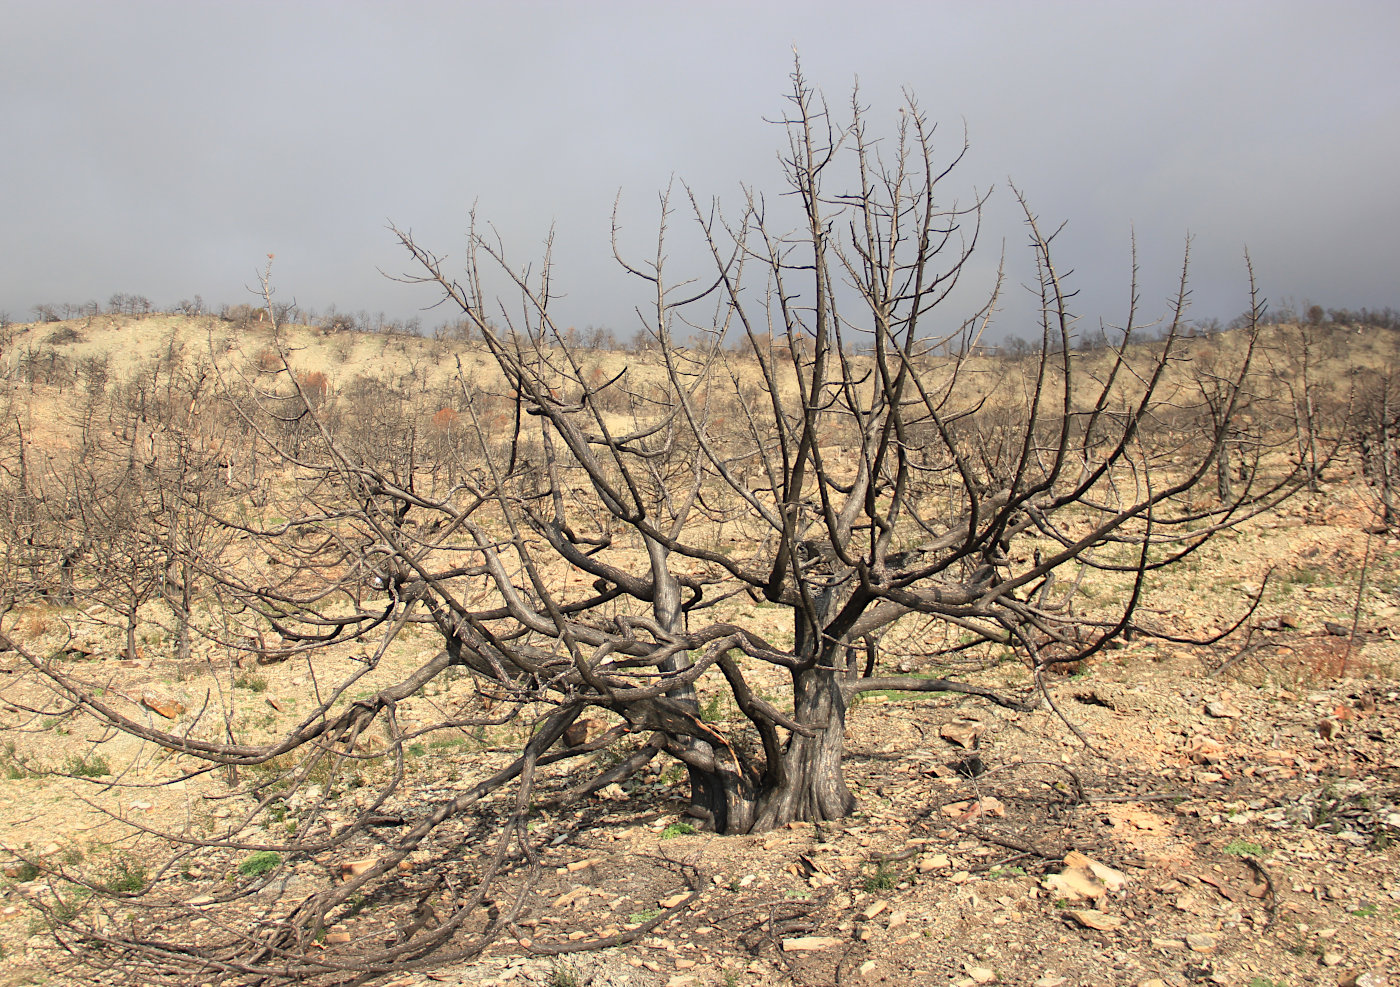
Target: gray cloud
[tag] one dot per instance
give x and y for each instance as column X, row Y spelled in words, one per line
column 164, row 148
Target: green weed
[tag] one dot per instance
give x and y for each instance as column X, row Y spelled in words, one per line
column 259, row 863
column 91, row 766
column 126, row 876
column 26, row 872
column 882, row 880
column 677, row 829
column 564, row 975
column 253, row 683
column 1244, row 848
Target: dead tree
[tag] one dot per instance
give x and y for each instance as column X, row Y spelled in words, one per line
column 576, row 566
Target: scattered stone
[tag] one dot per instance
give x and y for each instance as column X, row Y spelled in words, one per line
column 933, row 862
column 966, row 811
column 1083, row 878
column 578, row 865
column 1200, row 942
column 671, row 901
column 1332, row 959
column 962, row 733
column 809, row 943
column 873, row 909
column 1051, row 981
column 1223, row 710
column 582, row 731
column 1369, row 978
column 1091, row 918
column 163, row 703
column 867, row 967
column 897, row 919
column 981, row 974
column 354, row 868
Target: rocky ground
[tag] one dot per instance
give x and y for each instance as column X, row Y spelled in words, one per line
column 1225, row 815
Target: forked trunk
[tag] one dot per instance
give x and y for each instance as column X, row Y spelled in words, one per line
column 807, row 784
column 811, row 785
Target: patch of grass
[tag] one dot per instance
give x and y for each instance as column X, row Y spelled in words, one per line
column 1366, row 911
column 712, row 708
column 91, row 766
column 1012, row 871
column 1266, row 982
column 259, row 863
column 637, row 918
column 565, row 975
column 127, row 875
column 1244, row 848
column 439, row 743
column 883, row 879
column 10, row 765
column 253, row 683
column 27, row 872
column 417, row 750
column 677, row 829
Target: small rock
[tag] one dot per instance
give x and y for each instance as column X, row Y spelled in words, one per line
column 1369, row 978
column 672, row 901
column 1051, row 982
column 1223, row 711
column 809, row 943
column 940, row 861
column 1091, row 918
column 1084, row 877
column 873, row 909
column 897, row 919
column 582, row 731
column 1332, row 959
column 981, row 974
column 354, row 868
column 1200, row 942
column 867, row 967
column 163, row 703
column 963, row 733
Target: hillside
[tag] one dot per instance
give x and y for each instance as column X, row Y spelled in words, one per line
column 177, row 543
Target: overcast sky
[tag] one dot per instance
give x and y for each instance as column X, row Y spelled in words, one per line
column 164, row 148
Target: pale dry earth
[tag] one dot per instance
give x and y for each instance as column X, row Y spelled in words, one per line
column 1285, row 759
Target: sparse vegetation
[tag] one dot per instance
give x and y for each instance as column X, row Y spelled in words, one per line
column 259, row 863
